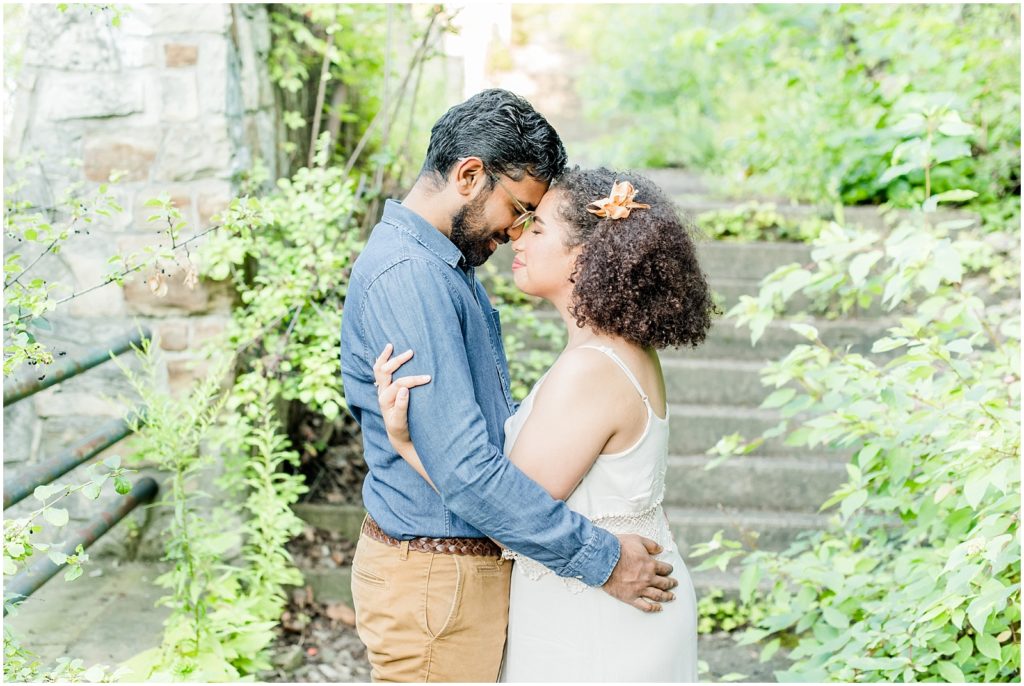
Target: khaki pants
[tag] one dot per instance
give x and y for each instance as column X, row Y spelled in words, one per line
column 430, row 617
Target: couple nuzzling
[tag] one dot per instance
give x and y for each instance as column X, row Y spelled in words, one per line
column 505, row 541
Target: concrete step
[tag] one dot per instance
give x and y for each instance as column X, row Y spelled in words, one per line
column 694, row 429
column 105, row 616
column 865, row 216
column 674, row 182
column 756, row 529
column 725, row 340
column 749, row 261
column 329, row 585
column 714, row 382
column 759, row 482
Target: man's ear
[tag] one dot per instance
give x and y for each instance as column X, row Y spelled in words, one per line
column 467, row 176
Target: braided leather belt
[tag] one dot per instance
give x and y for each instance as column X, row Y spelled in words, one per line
column 444, row 546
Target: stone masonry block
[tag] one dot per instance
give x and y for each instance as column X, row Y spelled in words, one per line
column 174, row 335
column 212, row 71
column 193, row 151
column 213, row 199
column 191, row 18
column 90, row 96
column 103, row 154
column 90, row 268
column 183, row 373
column 180, row 55
column 179, row 97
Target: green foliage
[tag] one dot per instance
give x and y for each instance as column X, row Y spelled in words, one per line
column 21, row 544
column 811, row 101
column 288, row 256
column 45, row 231
column 364, row 48
column 716, row 612
column 918, row 578
column 223, row 609
column 758, row 222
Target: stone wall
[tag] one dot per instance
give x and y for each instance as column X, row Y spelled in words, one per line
column 179, row 100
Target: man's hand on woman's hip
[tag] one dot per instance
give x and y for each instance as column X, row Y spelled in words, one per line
column 639, row 579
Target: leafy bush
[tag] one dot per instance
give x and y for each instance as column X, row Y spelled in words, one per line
column 806, row 100
column 758, row 222
column 919, row 576
column 716, row 612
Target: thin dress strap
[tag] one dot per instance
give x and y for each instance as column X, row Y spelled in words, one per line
column 611, row 353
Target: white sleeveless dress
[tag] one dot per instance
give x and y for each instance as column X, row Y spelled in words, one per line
column 560, row 629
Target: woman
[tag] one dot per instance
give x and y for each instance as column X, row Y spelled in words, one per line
column 625, row 278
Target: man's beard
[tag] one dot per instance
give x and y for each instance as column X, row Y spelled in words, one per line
column 470, row 234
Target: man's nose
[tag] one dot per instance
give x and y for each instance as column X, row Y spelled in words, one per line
column 514, row 233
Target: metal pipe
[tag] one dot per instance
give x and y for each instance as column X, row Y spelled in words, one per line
column 70, row 368
column 21, row 485
column 27, row 581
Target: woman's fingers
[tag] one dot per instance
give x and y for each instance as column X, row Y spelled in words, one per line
column 412, row 381
column 388, row 395
column 380, row 377
column 391, row 365
column 384, row 355
column 384, row 366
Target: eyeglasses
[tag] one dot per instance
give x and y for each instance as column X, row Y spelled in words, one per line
column 523, row 221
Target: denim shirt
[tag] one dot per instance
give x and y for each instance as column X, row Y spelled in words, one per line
column 408, row 288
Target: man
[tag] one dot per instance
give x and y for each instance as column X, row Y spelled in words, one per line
column 429, row 586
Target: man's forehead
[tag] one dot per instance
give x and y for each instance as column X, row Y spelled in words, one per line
column 529, row 191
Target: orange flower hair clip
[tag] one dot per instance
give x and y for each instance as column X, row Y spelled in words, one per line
column 619, row 202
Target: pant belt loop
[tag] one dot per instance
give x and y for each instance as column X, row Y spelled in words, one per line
column 404, row 554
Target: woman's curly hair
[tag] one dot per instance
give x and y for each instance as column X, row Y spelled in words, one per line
column 636, row 277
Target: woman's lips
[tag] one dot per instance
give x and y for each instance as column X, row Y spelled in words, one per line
column 516, row 264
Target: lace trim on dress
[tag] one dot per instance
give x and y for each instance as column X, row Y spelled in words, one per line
column 648, row 522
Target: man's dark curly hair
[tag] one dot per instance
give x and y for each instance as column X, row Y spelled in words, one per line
column 500, row 128
column 637, row 277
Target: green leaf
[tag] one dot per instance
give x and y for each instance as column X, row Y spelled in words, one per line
column 122, row 485
column 114, row 461
column 975, row 488
column 44, row 492
column 886, row 344
column 770, row 649
column 92, row 490
column 73, row 573
column 779, row 398
column 835, row 618
column 852, row 502
column 898, row 171
column 749, row 579
column 958, row 195
column 987, row 646
column 806, row 330
column 950, row 672
column 862, row 264
column 56, row 515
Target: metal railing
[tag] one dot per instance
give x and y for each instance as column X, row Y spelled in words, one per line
column 18, row 486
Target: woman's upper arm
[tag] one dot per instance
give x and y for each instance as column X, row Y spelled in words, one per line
column 573, row 416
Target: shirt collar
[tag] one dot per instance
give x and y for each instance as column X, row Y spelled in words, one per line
column 396, row 214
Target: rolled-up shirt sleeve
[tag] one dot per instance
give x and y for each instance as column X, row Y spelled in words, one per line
column 415, row 305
